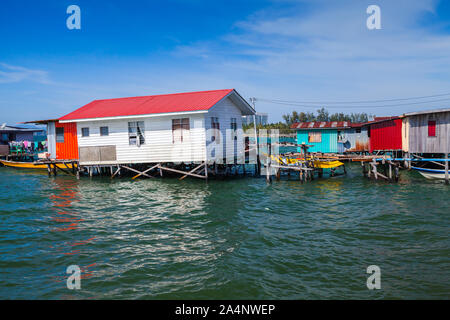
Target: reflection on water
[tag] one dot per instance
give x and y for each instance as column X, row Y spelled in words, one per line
column 241, row 238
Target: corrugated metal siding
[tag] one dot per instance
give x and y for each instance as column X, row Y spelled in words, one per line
column 51, row 140
column 386, row 135
column 69, row 149
column 329, row 142
column 356, row 142
column 418, row 139
column 132, row 106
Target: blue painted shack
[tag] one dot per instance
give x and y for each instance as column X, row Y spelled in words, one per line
column 324, row 136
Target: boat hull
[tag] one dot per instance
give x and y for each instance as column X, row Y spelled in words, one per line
column 32, row 165
column 431, row 173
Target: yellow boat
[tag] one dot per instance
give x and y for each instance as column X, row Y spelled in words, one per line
column 32, row 165
column 327, row 164
column 322, row 164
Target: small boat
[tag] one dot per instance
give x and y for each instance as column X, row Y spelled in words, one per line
column 322, row 164
column 32, row 165
column 431, row 173
column 327, row 164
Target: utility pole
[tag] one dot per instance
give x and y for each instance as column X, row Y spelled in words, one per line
column 258, row 163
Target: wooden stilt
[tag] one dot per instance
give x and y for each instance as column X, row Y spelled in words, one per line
column 374, row 167
column 390, row 170
column 192, row 171
column 115, row 173
column 134, row 170
column 446, row 169
column 182, row 172
column 142, row 173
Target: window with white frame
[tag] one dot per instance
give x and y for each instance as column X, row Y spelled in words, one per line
column 180, row 129
column 136, row 133
column 85, row 132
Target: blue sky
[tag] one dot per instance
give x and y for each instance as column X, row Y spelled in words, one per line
column 304, row 50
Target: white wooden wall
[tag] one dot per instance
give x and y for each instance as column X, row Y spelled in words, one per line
column 224, row 110
column 158, row 147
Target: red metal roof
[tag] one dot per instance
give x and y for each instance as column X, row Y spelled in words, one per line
column 321, row 125
column 177, row 102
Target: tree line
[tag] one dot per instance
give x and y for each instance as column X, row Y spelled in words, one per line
column 320, row 115
column 323, row 115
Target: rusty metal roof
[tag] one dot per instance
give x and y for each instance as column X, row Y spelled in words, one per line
column 321, row 125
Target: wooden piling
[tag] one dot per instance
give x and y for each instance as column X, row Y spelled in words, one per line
column 446, row 169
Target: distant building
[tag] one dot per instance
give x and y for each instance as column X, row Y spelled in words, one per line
column 17, row 133
column 426, row 131
column 261, row 118
column 322, row 136
column 385, row 134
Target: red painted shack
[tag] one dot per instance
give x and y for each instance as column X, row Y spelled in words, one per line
column 385, row 134
column 66, row 141
column 62, row 140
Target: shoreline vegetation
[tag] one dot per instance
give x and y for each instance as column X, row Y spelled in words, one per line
column 321, row 115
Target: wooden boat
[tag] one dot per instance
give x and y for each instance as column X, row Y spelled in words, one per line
column 32, row 165
column 431, row 173
column 321, row 164
column 327, row 164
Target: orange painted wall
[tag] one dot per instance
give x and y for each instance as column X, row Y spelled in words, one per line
column 69, row 149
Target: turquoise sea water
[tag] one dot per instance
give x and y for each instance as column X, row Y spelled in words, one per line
column 225, row 239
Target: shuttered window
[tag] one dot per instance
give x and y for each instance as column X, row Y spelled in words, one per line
column 315, row 136
column 180, row 129
column 432, row 128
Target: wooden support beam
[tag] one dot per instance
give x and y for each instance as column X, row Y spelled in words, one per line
column 115, row 173
column 144, row 172
column 182, row 172
column 193, row 170
column 134, row 170
column 374, row 168
column 63, row 170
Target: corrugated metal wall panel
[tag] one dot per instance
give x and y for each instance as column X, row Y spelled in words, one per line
column 356, row 141
column 328, row 144
column 386, row 135
column 67, row 150
column 51, row 140
column 418, row 139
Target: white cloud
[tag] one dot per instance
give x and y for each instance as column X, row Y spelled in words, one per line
column 11, row 74
column 323, row 51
